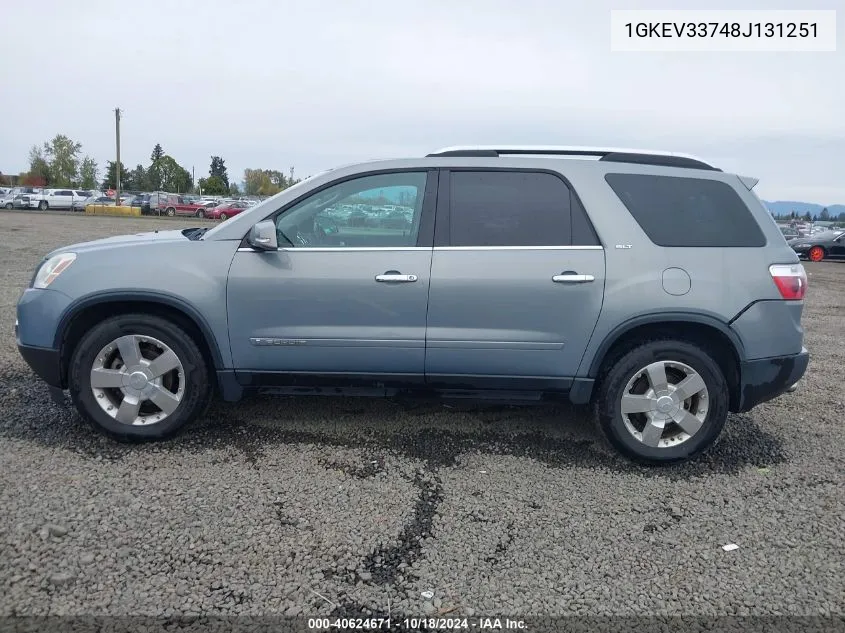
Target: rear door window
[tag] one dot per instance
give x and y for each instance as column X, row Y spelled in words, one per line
column 678, row 212
column 508, row 208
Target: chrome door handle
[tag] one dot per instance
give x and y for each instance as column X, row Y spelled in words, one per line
column 391, row 277
column 571, row 278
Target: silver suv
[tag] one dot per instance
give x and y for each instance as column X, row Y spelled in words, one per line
column 651, row 285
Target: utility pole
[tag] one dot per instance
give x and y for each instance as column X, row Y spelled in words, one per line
column 117, row 164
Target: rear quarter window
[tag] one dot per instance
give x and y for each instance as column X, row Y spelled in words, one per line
column 678, row 212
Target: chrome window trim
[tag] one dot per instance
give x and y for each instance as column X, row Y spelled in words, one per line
column 361, row 249
column 342, row 249
column 519, row 248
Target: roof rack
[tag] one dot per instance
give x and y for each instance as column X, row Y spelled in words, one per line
column 609, row 154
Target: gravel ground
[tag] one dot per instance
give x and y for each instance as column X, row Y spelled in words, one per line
column 338, row 506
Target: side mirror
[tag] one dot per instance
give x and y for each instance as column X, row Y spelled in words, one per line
column 262, row 236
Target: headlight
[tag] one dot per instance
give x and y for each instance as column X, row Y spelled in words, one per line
column 52, row 268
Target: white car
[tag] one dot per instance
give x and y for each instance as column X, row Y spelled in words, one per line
column 58, row 199
column 14, row 198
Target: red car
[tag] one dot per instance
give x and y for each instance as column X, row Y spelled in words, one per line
column 226, row 210
column 176, row 205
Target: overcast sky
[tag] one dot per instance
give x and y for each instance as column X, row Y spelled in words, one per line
column 317, row 83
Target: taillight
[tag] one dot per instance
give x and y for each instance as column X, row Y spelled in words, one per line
column 791, row 280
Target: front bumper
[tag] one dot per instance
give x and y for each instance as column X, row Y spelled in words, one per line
column 45, row 363
column 767, row 378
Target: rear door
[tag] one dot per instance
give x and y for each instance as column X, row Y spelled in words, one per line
column 517, row 281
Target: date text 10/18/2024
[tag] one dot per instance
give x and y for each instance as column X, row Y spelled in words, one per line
column 414, row 624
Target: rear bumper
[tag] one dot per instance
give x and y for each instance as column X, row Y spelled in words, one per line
column 767, row 378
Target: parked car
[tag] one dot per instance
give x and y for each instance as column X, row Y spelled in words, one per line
column 161, row 202
column 98, row 199
column 7, row 201
column 177, row 205
column 14, row 197
column 141, row 200
column 520, row 278
column 205, row 207
column 58, row 199
column 80, row 203
column 23, row 201
column 788, row 232
column 819, row 246
column 226, row 210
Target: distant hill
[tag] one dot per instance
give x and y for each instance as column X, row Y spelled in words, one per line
column 787, row 207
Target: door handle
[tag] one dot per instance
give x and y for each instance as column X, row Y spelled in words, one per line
column 393, row 276
column 572, row 278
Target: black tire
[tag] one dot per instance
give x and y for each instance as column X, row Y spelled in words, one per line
column 9, row 205
column 43, row 205
column 170, row 212
column 224, row 217
column 198, row 387
column 616, row 377
column 200, row 213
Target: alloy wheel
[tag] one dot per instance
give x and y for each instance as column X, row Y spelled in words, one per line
column 664, row 404
column 138, row 380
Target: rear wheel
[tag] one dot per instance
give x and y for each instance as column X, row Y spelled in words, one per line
column 664, row 401
column 200, row 213
column 816, row 254
column 170, row 211
column 138, row 376
column 43, row 205
column 223, row 216
column 9, row 205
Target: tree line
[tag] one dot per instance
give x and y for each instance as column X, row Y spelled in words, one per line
column 824, row 216
column 60, row 163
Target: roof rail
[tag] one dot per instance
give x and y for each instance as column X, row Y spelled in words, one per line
column 609, row 154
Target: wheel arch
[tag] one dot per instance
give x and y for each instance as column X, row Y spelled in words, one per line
column 81, row 315
column 713, row 335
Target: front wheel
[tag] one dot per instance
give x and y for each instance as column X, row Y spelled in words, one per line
column 43, row 205
column 664, row 401
column 137, row 376
column 170, row 212
column 200, row 213
column 816, row 254
column 223, row 216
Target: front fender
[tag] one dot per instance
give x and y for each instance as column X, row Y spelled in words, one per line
column 145, row 296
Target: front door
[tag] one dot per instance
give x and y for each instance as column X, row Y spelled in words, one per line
column 347, row 290
column 517, row 281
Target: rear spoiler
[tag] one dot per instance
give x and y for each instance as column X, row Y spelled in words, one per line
column 749, row 181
